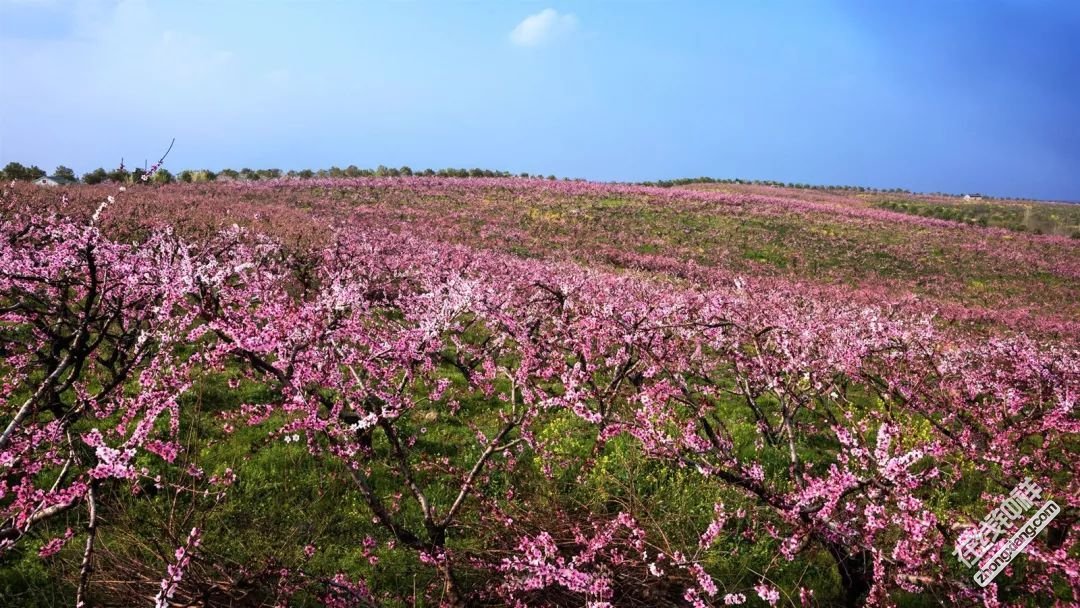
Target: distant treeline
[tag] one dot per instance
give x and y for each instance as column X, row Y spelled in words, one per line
column 683, row 181
column 669, row 183
column 16, row 171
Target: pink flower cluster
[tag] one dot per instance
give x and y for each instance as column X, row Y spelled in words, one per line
column 176, row 570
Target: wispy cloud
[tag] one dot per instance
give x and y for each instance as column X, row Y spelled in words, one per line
column 543, row 27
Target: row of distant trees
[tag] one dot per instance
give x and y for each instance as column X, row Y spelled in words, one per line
column 670, row 183
column 350, row 171
column 16, row 171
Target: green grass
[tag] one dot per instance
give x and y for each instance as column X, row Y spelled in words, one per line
column 1032, row 217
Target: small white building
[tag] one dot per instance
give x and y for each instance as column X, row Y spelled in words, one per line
column 53, row 180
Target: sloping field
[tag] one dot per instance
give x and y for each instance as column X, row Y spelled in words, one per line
column 965, row 271
column 419, row 391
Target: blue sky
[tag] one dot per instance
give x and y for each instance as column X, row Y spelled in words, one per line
column 951, row 96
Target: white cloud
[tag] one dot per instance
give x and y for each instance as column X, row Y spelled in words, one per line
column 543, row 27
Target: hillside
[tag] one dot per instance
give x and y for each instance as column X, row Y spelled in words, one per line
column 427, row 391
column 965, row 270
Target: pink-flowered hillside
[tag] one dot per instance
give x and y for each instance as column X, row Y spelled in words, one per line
column 967, row 271
column 460, row 392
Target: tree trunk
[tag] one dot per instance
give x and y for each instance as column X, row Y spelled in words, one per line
column 856, row 573
column 451, row 593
